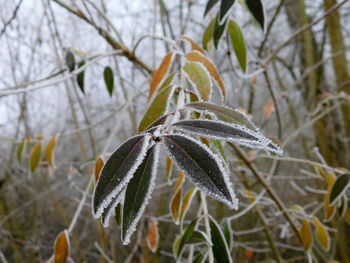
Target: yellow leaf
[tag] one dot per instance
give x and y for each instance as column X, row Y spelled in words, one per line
column 193, row 44
column 269, row 108
column 153, row 236
column 347, row 216
column 329, row 210
column 62, row 247
column 169, row 167
column 160, row 73
column 306, row 235
column 179, row 182
column 195, row 56
column 186, row 202
column 175, row 204
column 322, row 235
column 49, row 150
column 21, row 148
column 98, row 166
column 35, row 155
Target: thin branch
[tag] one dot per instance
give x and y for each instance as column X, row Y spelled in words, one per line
column 11, row 19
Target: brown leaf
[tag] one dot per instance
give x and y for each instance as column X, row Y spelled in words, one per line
column 160, row 73
column 98, row 166
column 49, row 150
column 269, row 108
column 153, row 236
column 62, row 247
column 195, row 56
column 249, row 254
column 193, row 44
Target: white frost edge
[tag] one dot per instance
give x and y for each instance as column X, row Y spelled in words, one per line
column 194, row 85
column 133, row 224
column 111, row 211
column 126, row 179
column 227, row 14
column 229, row 185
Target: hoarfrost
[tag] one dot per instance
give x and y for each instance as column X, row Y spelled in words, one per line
column 108, row 211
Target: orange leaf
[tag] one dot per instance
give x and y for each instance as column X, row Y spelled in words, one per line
column 49, row 150
column 193, row 44
column 153, row 236
column 195, row 56
column 98, row 166
column 306, row 235
column 179, row 182
column 160, row 73
column 35, row 155
column 175, row 204
column 249, row 254
column 269, row 108
column 62, row 247
column 329, row 210
column 322, row 235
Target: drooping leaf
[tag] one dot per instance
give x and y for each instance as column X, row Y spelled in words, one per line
column 180, row 181
column 257, row 10
column 209, row 6
column 218, row 146
column 228, row 234
column 339, row 187
column 34, row 157
column 185, row 237
column 138, row 192
column 224, row 113
column 200, row 258
column 194, row 46
column 175, row 204
column 109, row 79
column 238, row 43
column 21, row 147
column 199, row 78
column 225, row 7
column 49, row 150
column 198, row 237
column 107, row 212
column 62, row 247
column 157, row 108
column 70, row 61
column 153, row 236
column 98, row 166
column 160, row 74
column 168, row 168
column 230, row 132
column 187, row 202
column 343, row 206
column 80, row 77
column 322, row 235
column 201, row 166
column 195, row 56
column 218, row 31
column 329, row 210
column 220, row 248
column 306, row 235
column 117, row 171
column 208, row 34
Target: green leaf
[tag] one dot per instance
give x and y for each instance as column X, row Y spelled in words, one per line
column 218, row 146
column 138, row 192
column 118, row 214
column 228, row 234
column 35, row 155
column 80, row 77
column 21, row 147
column 208, row 34
column 70, row 61
column 209, row 6
column 117, row 171
column 186, row 236
column 257, row 10
column 199, row 78
column 225, row 6
column 106, row 214
column 238, row 44
column 109, row 79
column 201, row 166
column 220, row 248
column 157, row 108
column 339, row 188
column 200, row 258
column 198, row 237
column 322, row 235
column 218, row 31
column 224, row 113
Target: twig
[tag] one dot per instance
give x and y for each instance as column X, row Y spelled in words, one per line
column 11, row 19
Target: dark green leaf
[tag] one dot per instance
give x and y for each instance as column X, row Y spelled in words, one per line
column 201, row 166
column 340, row 186
column 186, row 236
column 257, row 10
column 138, row 192
column 224, row 113
column 200, row 258
column 198, row 237
column 238, row 44
column 218, row 31
column 70, row 61
column 80, row 77
column 225, row 6
column 117, row 171
column 220, row 249
column 109, row 79
column 228, row 234
column 118, row 214
column 209, row 6
column 110, row 208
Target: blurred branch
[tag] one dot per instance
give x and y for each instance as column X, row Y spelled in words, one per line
column 11, row 19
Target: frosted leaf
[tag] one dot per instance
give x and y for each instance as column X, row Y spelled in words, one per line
column 117, row 171
column 203, row 168
column 138, row 192
column 109, row 210
column 226, row 131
